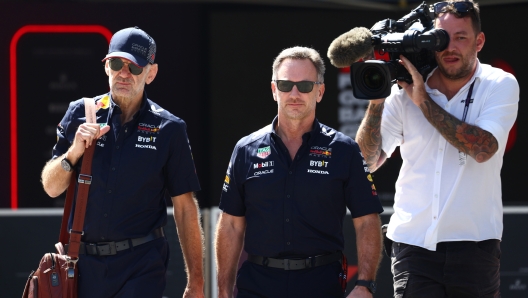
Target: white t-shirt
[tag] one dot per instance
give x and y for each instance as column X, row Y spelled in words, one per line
column 437, row 198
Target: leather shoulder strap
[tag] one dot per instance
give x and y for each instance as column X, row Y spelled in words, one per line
column 84, row 180
column 63, row 236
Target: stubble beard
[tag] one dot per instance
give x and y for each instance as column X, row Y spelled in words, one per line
column 124, row 97
column 294, row 115
column 464, row 71
column 299, row 114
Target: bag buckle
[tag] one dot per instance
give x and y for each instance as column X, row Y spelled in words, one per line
column 76, row 232
column 70, row 272
column 71, row 261
column 86, row 179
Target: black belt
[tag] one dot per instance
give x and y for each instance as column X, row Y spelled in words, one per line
column 444, row 246
column 111, row 248
column 296, row 264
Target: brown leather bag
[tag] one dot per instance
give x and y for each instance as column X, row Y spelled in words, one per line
column 56, row 276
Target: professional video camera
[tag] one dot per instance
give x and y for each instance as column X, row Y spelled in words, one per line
column 415, row 40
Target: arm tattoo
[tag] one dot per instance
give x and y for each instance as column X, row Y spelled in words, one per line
column 369, row 136
column 470, row 139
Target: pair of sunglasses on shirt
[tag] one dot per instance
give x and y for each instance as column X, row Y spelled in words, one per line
column 462, row 8
column 116, row 64
column 302, row 86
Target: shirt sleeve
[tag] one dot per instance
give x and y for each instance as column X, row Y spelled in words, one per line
column 181, row 171
column 361, row 195
column 499, row 111
column 231, row 198
column 67, row 128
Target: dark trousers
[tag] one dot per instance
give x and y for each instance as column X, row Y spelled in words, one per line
column 258, row 281
column 455, row 269
column 130, row 273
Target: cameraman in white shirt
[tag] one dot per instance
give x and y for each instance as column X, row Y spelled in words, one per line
column 452, row 131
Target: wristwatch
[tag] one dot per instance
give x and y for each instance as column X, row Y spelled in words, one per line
column 66, row 165
column 369, row 284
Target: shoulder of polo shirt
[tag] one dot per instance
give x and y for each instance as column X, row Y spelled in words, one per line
column 156, row 110
column 255, row 136
column 77, row 106
column 327, row 130
column 261, row 132
column 339, row 138
column 79, row 103
column 333, row 133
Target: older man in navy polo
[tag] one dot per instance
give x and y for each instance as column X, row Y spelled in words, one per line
column 142, row 154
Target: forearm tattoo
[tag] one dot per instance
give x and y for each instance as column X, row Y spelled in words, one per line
column 470, row 139
column 369, row 137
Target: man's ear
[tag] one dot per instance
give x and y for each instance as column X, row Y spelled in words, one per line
column 481, row 39
column 107, row 68
column 273, row 89
column 320, row 92
column 152, row 72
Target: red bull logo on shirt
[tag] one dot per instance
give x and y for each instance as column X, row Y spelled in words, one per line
column 321, row 151
column 148, row 128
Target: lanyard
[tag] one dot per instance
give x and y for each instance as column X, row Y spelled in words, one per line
column 468, row 101
column 461, row 155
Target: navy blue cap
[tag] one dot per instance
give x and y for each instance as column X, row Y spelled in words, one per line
column 133, row 44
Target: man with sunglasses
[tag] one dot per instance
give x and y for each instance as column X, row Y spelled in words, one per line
column 142, row 153
column 452, row 131
column 285, row 197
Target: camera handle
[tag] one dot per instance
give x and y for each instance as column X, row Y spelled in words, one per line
column 421, row 12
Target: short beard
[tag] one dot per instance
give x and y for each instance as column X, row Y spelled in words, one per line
column 465, row 70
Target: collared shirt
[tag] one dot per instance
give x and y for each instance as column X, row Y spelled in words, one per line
column 440, row 194
column 134, row 166
column 295, row 208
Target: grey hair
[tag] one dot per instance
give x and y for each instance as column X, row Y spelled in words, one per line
column 300, row 53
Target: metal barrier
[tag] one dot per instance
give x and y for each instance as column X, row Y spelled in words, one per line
column 29, row 233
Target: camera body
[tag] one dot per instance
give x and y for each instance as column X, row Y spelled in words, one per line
column 412, row 36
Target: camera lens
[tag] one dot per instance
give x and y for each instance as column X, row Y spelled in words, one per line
column 373, row 78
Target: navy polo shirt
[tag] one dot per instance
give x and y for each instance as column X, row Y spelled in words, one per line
column 295, row 208
column 135, row 166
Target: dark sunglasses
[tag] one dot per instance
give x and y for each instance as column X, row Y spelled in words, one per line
column 117, row 64
column 462, row 8
column 302, row 86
